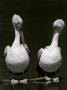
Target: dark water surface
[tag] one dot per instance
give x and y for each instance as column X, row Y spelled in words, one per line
column 38, row 16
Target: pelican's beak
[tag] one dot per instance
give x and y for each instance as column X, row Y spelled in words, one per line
column 22, row 36
column 20, row 25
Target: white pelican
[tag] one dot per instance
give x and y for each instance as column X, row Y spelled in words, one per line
column 50, row 58
column 17, row 58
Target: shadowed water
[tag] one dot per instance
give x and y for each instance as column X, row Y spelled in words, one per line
column 38, row 16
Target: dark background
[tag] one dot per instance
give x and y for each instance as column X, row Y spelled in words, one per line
column 38, row 17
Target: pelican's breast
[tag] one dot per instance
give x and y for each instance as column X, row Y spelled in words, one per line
column 17, row 59
column 51, row 59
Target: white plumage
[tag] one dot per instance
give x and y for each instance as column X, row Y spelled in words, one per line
column 50, row 58
column 17, row 58
column 59, row 23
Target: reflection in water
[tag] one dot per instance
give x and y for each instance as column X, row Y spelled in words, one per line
column 35, row 85
column 49, row 87
column 18, row 87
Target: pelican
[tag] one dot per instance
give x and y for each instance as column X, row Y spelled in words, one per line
column 49, row 57
column 17, row 58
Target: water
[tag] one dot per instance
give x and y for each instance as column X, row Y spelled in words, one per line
column 38, row 16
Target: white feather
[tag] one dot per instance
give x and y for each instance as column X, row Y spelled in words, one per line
column 59, row 23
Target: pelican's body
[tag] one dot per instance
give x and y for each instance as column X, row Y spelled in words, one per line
column 17, row 58
column 50, row 58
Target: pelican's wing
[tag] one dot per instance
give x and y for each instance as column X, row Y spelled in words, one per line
column 40, row 53
column 6, row 50
column 46, row 47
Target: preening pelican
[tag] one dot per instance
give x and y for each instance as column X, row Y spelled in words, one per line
column 17, row 58
column 50, row 58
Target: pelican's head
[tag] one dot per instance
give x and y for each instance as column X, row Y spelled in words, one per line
column 58, row 25
column 17, row 21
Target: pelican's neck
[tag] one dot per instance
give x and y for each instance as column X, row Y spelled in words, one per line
column 54, row 42
column 17, row 38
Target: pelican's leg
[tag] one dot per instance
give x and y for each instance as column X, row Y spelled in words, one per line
column 17, row 76
column 47, row 78
column 57, row 77
column 12, row 75
column 52, row 77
